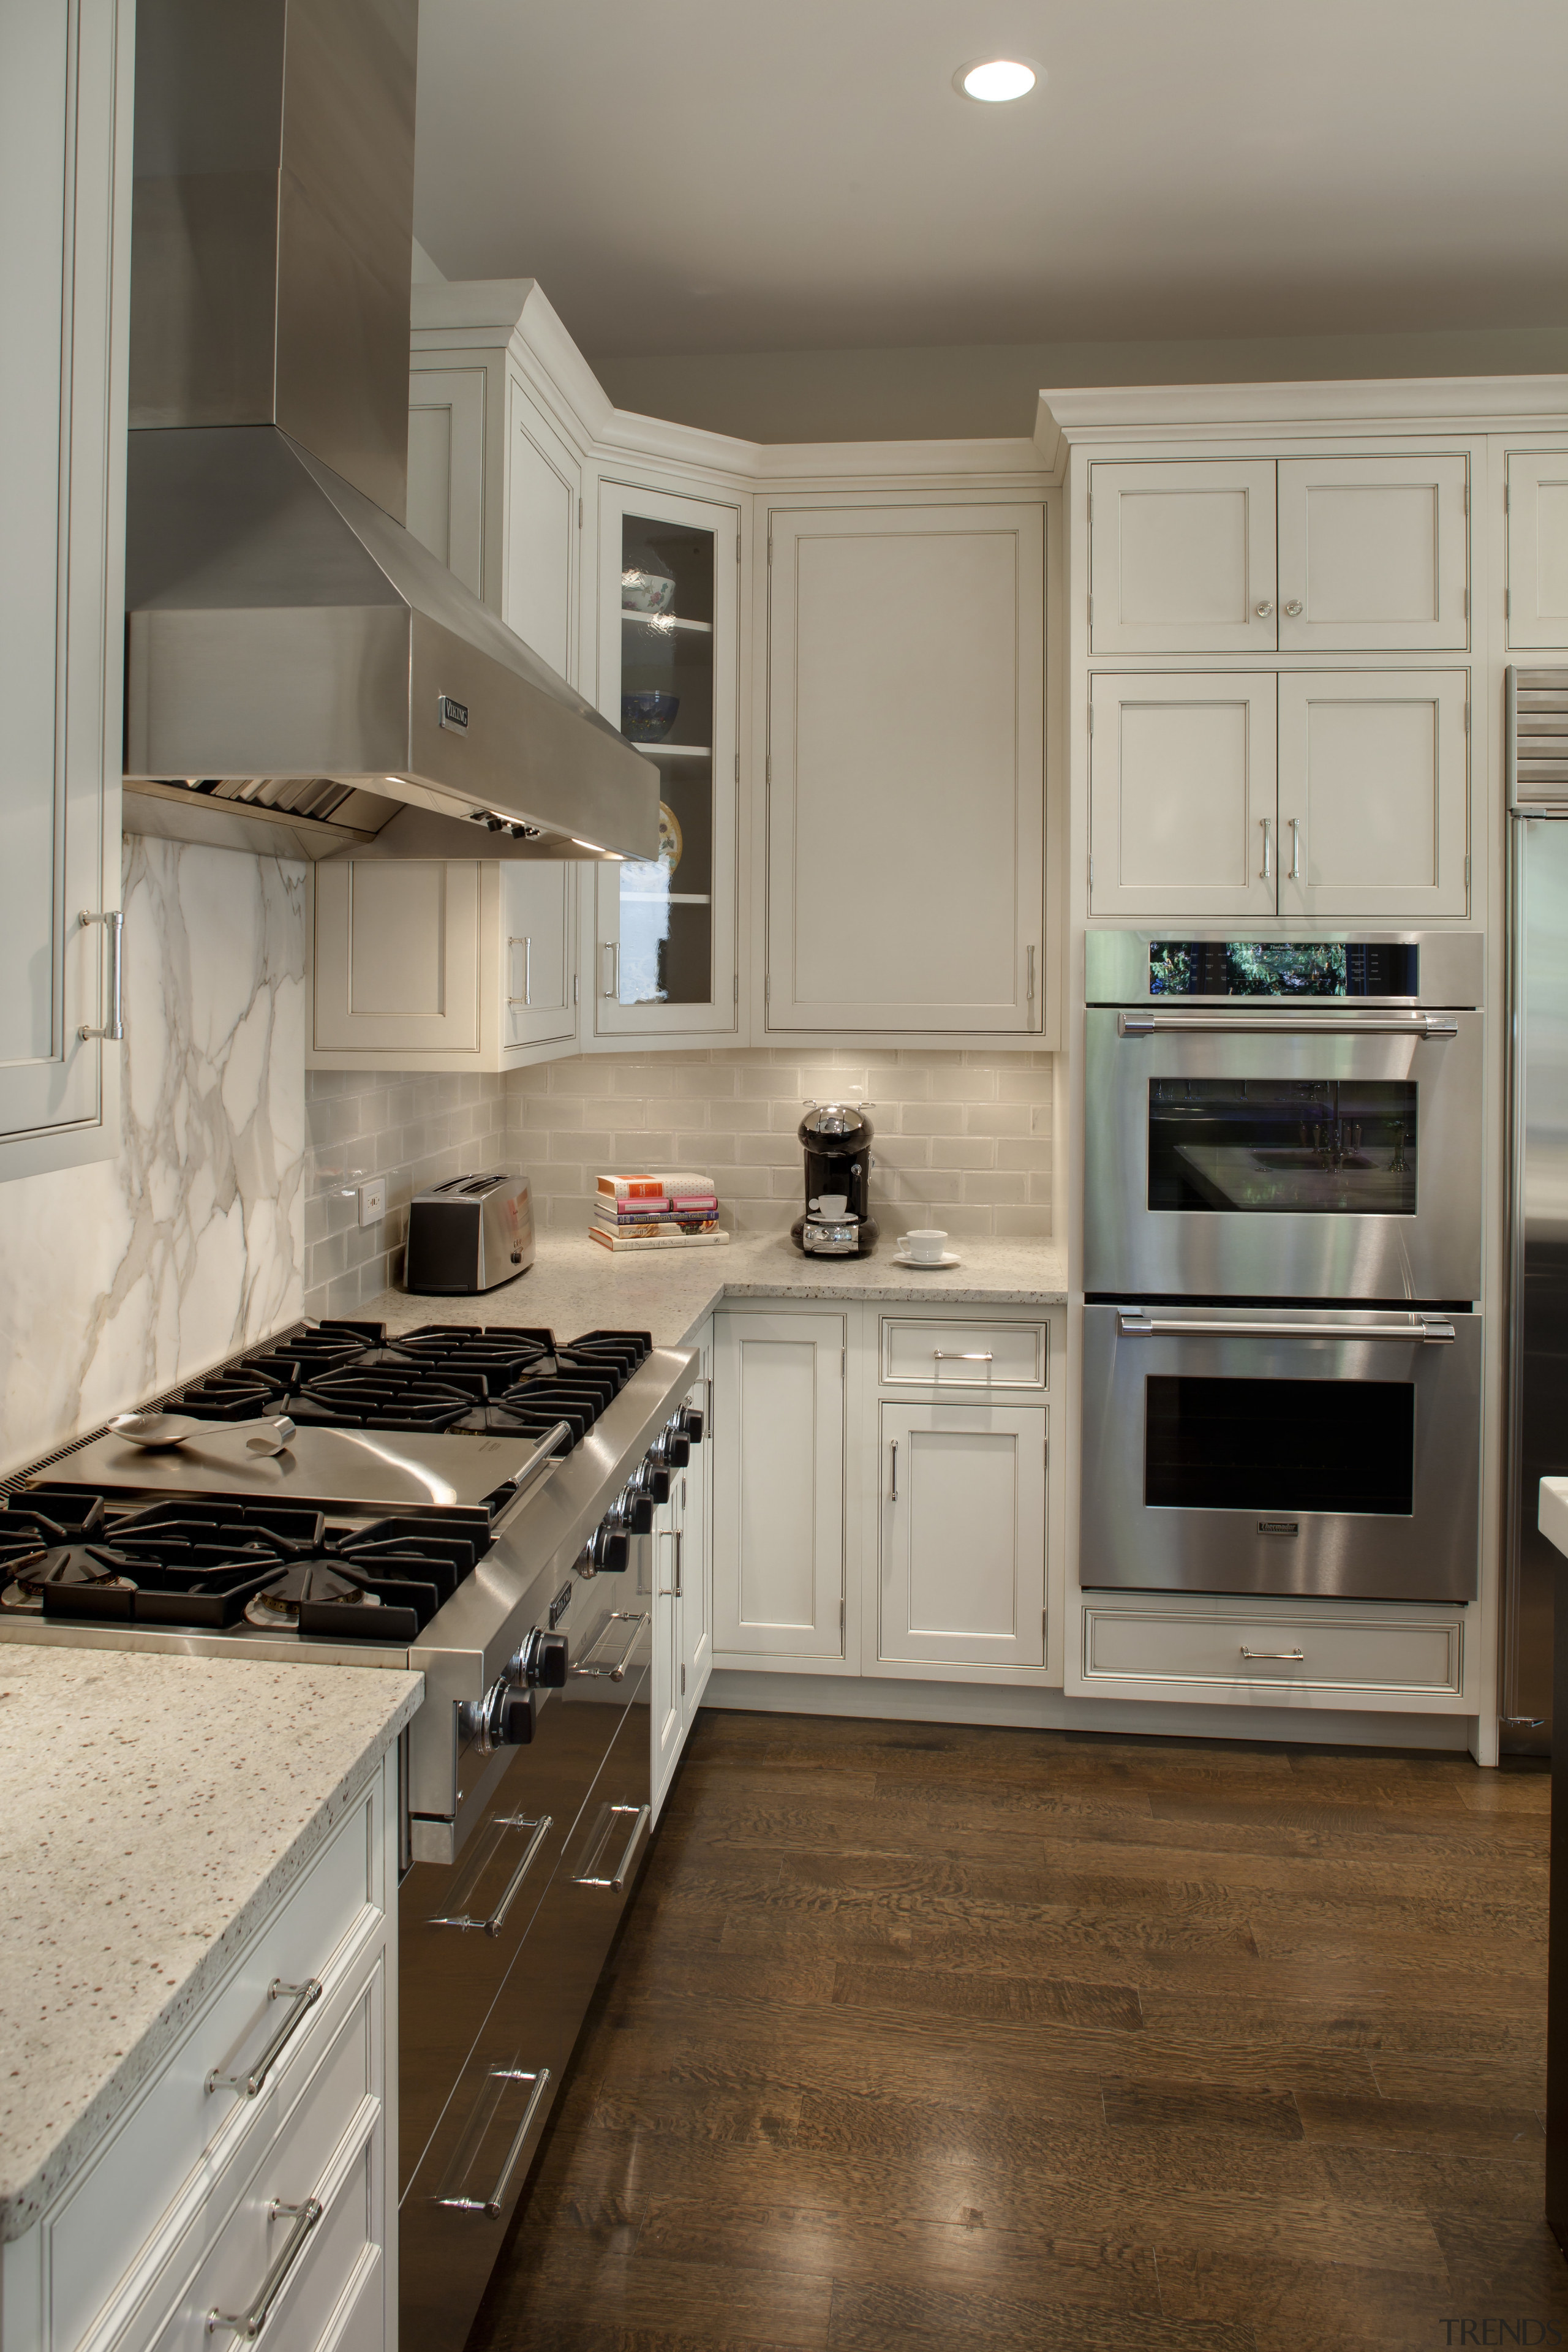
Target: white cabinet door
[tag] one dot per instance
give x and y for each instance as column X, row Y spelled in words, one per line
column 1373, row 796
column 1181, row 795
column 544, row 502
column 1373, row 554
column 538, row 951
column 696, row 1572
column 396, row 955
column 963, row 1536
column 1538, row 547
column 778, row 1486
column 446, row 468
column 65, row 185
column 664, row 936
column 1182, row 557
column 906, row 769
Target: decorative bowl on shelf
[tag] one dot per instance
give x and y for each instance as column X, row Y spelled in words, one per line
column 646, row 587
column 647, row 718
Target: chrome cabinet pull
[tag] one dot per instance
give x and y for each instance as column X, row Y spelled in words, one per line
column 589, row 1875
column 457, row 1916
column 450, row 2193
column 1423, row 1026
column 1031, row 996
column 1295, row 849
column 616, row 1672
column 113, row 1030
column 612, row 948
column 1294, row 609
column 1423, row 1330
column 1268, row 825
column 893, row 1489
column 248, row 2324
column 961, row 1356
column 1264, row 610
column 675, row 1591
column 1298, row 1657
column 525, row 942
column 304, row 1997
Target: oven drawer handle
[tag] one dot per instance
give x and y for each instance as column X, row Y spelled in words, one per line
column 497, row 1920
column 616, row 1672
column 500, row 2076
column 1420, row 1026
column 1296, row 1657
column 248, row 2324
column 304, row 1997
column 590, row 1873
column 1423, row 1330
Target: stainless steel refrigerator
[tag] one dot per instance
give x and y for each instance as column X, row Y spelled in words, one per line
column 1537, row 739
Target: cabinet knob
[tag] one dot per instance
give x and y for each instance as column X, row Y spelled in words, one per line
column 1263, row 610
column 1293, row 609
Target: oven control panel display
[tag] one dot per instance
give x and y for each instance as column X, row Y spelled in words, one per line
column 1377, row 968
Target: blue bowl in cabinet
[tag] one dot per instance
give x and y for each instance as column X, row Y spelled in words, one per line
column 648, row 717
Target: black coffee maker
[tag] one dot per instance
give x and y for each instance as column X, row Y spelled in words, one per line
column 838, row 1221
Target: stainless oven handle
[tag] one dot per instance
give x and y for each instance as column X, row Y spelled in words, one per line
column 1423, row 1330
column 1424, row 1025
column 616, row 1672
column 1296, row 1657
column 497, row 1919
column 494, row 2202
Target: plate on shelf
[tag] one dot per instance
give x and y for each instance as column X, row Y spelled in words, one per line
column 928, row 1264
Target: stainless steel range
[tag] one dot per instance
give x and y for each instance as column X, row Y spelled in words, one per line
column 1282, row 1190
column 477, row 1504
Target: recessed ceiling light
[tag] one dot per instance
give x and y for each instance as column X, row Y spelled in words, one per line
column 994, row 80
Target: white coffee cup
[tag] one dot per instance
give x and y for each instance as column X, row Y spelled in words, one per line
column 925, row 1244
column 831, row 1204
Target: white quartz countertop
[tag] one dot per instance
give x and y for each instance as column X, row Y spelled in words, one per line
column 575, row 1286
column 153, row 1810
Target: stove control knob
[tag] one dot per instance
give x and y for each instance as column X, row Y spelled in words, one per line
column 655, row 1477
column 513, row 1720
column 636, row 1504
column 676, row 1444
column 609, row 1548
column 544, row 1660
column 502, row 1718
column 689, row 1419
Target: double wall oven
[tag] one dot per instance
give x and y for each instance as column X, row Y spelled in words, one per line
column 1283, row 1190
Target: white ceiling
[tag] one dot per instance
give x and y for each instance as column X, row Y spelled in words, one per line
column 730, row 175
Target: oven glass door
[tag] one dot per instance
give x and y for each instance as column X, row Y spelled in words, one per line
column 1326, row 1451
column 1283, row 1160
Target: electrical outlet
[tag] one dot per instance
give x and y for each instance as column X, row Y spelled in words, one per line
column 372, row 1201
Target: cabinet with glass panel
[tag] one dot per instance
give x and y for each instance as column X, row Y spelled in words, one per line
column 664, row 929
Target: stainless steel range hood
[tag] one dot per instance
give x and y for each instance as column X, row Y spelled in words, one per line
column 302, row 674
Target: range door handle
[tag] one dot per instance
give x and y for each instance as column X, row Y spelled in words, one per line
column 1424, row 1026
column 458, row 1914
column 1418, row 1330
column 618, row 1672
column 453, row 2191
column 1295, row 1657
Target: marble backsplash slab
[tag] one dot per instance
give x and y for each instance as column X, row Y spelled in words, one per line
column 119, row 1278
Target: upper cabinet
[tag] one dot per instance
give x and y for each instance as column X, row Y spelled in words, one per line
column 65, row 189
column 1337, row 794
column 905, row 770
column 1538, row 548
column 1341, row 555
column 665, row 962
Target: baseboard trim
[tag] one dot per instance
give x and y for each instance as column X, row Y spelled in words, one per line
column 1045, row 1709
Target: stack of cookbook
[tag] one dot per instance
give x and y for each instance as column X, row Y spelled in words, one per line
column 654, row 1211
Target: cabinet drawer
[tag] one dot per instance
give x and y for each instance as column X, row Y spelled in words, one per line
column 180, row 2128
column 962, row 1355
column 331, row 2150
column 1305, row 1653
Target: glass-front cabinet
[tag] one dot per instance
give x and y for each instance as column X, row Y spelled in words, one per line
column 664, row 932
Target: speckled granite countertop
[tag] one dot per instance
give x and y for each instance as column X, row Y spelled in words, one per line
column 139, row 1843
column 574, row 1286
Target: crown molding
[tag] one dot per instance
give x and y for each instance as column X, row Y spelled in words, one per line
column 1419, row 403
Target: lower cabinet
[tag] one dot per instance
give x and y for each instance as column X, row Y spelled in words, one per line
column 880, row 1492
column 963, row 1535
column 678, row 1577
column 779, row 1385
column 248, row 2185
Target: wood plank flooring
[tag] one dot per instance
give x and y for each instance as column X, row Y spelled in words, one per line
column 925, row 2038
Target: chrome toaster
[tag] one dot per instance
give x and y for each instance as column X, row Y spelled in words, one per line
column 469, row 1234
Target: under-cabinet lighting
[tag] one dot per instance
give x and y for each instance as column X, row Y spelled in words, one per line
column 598, row 850
column 994, row 80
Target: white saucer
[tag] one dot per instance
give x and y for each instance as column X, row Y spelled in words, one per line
column 928, row 1264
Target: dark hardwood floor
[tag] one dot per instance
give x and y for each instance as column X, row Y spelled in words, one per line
column 923, row 2037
